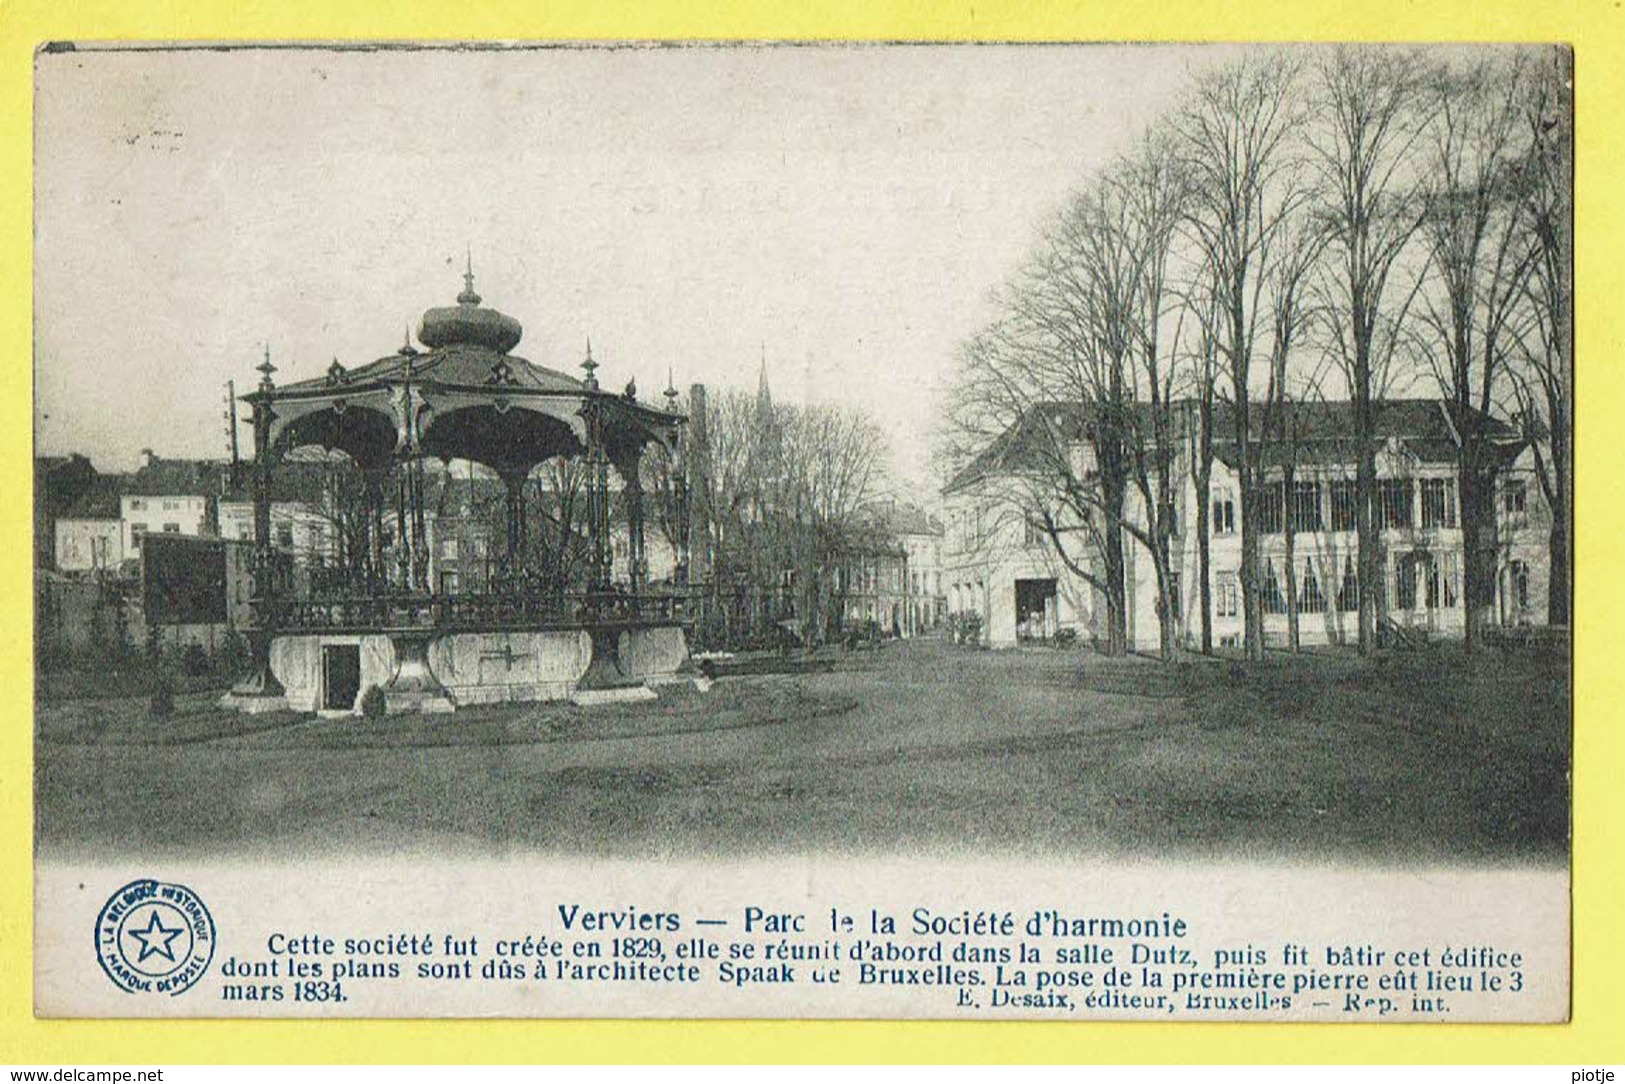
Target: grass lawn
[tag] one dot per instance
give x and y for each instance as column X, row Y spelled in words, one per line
column 1407, row 757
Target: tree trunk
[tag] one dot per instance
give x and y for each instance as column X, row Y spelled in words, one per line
column 1252, row 599
column 1474, row 581
column 1204, row 508
column 1365, row 493
column 1204, row 561
column 1557, row 544
column 1291, row 562
column 1116, row 596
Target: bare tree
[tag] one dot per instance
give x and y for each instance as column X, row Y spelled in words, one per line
column 1153, row 188
column 1480, row 254
column 784, row 489
column 1235, row 132
column 835, row 462
column 1368, row 99
column 1202, row 302
column 1075, row 383
column 1542, row 377
column 1282, row 430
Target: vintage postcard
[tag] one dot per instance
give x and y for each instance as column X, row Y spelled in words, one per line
column 1072, row 532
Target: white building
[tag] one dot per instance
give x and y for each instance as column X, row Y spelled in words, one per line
column 89, row 544
column 1002, row 565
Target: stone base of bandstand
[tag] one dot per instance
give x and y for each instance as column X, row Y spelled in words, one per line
column 619, row 664
column 420, row 671
column 252, row 703
column 257, row 694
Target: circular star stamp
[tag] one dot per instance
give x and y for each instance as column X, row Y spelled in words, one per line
column 154, row 938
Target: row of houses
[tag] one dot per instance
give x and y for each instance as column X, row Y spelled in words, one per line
column 97, row 522
column 1001, row 563
column 94, row 532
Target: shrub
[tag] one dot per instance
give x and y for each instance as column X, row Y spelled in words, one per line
column 372, row 703
column 162, row 704
column 234, row 654
column 195, row 661
column 965, row 628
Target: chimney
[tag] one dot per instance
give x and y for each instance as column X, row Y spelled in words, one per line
column 147, row 458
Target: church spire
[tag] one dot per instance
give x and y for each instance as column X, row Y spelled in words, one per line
column 764, row 397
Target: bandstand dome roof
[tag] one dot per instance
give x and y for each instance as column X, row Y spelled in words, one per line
column 468, row 345
column 466, row 324
column 464, row 397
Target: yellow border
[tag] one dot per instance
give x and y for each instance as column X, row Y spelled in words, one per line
column 1597, row 30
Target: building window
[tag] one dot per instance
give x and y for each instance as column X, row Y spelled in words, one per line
column 1438, row 502
column 448, row 549
column 1452, row 581
column 1174, row 604
column 1305, row 507
column 1032, row 531
column 1271, row 508
column 1343, row 498
column 172, row 528
column 1227, row 599
column 284, row 535
column 137, row 504
column 1515, row 501
column 1348, row 592
column 1394, row 503
column 1224, row 513
column 1310, row 600
column 1432, row 589
column 1405, row 582
column 1518, row 583
column 1274, row 598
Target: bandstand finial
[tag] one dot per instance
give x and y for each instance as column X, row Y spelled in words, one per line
column 407, row 349
column 468, row 296
column 266, row 369
column 589, row 365
column 671, row 391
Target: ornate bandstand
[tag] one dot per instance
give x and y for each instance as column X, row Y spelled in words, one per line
column 520, row 634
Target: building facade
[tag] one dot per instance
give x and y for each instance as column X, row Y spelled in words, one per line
column 1003, row 565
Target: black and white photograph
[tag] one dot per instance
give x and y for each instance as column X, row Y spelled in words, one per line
column 743, row 495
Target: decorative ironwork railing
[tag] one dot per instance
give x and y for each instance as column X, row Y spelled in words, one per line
column 482, row 610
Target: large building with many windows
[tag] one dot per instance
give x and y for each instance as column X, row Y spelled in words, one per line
column 1002, row 563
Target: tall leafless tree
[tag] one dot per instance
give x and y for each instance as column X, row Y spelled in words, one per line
column 1236, row 133
column 1542, row 377
column 1367, row 99
column 1480, row 255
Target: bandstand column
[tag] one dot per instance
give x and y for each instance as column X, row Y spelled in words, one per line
column 513, row 482
column 403, row 543
column 637, row 565
column 419, row 524
column 260, row 691
column 373, row 521
column 600, row 565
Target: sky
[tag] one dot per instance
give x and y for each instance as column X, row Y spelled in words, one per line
column 842, row 212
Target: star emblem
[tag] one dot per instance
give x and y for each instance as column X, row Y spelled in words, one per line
column 156, row 939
